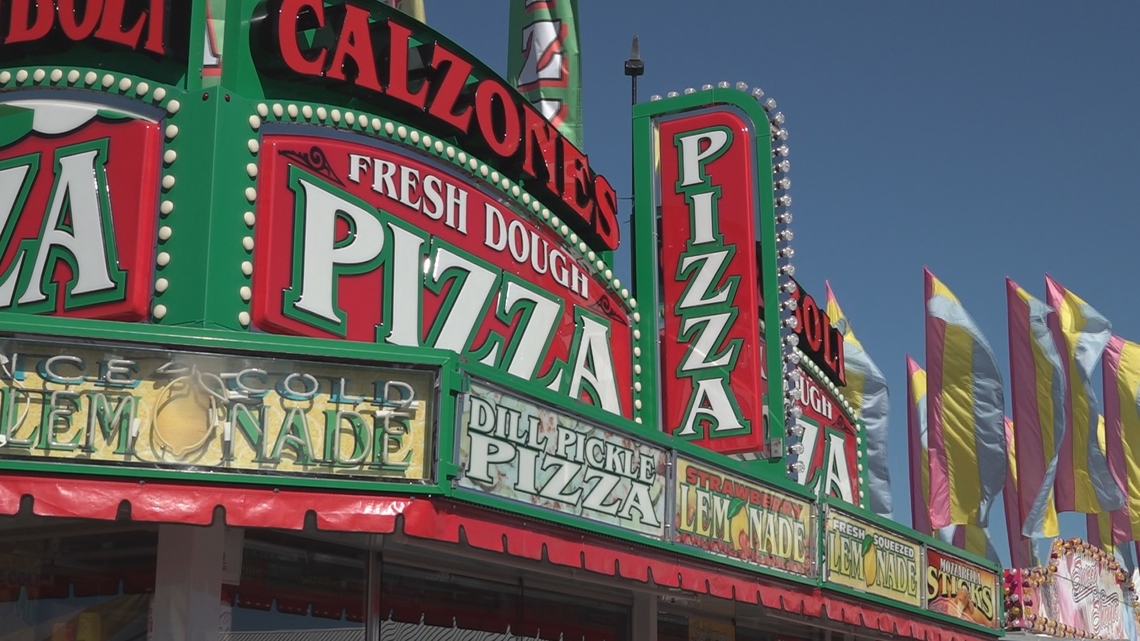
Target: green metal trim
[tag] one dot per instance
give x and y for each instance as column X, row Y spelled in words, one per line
column 216, row 477
column 70, row 329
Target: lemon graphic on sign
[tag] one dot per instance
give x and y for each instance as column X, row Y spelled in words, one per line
column 870, row 562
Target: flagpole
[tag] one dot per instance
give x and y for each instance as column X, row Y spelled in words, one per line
column 634, row 67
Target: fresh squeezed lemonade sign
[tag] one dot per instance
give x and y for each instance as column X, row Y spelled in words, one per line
column 524, row 451
column 144, row 407
column 869, row 559
column 730, row 516
column 377, row 244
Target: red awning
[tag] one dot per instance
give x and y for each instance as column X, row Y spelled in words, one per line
column 443, row 520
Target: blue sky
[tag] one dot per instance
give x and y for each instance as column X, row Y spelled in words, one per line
column 980, row 139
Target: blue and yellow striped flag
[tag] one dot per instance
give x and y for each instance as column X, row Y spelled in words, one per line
column 866, row 391
column 1084, row 482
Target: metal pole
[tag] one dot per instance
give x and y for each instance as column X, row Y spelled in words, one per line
column 634, row 67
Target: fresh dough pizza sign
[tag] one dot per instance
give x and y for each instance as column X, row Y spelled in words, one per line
column 371, row 243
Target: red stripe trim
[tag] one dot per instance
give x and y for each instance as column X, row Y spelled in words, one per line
column 442, row 520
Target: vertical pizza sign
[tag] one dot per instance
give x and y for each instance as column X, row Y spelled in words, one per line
column 78, row 204
column 712, row 350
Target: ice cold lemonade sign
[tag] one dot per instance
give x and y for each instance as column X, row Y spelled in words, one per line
column 524, row 451
column 134, row 406
column 377, row 244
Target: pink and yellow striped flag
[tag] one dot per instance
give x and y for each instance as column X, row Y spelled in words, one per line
column 974, row 538
column 1037, row 381
column 965, row 413
column 1020, row 547
column 1120, row 371
column 916, row 442
column 1084, row 482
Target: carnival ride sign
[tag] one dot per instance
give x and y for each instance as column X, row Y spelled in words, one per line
column 961, row 589
column 740, row 519
column 444, row 266
column 1083, row 591
column 78, row 206
column 146, row 407
column 712, row 352
column 870, row 559
column 524, row 451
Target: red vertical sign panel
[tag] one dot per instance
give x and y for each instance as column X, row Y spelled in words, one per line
column 712, row 351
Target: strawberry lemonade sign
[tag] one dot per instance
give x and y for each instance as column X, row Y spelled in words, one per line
column 378, row 244
column 869, row 559
column 739, row 519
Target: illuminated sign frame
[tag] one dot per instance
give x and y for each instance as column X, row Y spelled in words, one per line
column 752, row 262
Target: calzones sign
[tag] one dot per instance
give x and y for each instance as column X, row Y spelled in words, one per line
column 712, row 352
column 378, row 244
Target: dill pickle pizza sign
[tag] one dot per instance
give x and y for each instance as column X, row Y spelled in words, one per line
column 141, row 407
column 739, row 519
column 528, row 452
column 866, row 558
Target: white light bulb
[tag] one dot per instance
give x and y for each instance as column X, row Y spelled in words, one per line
column 770, row 104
